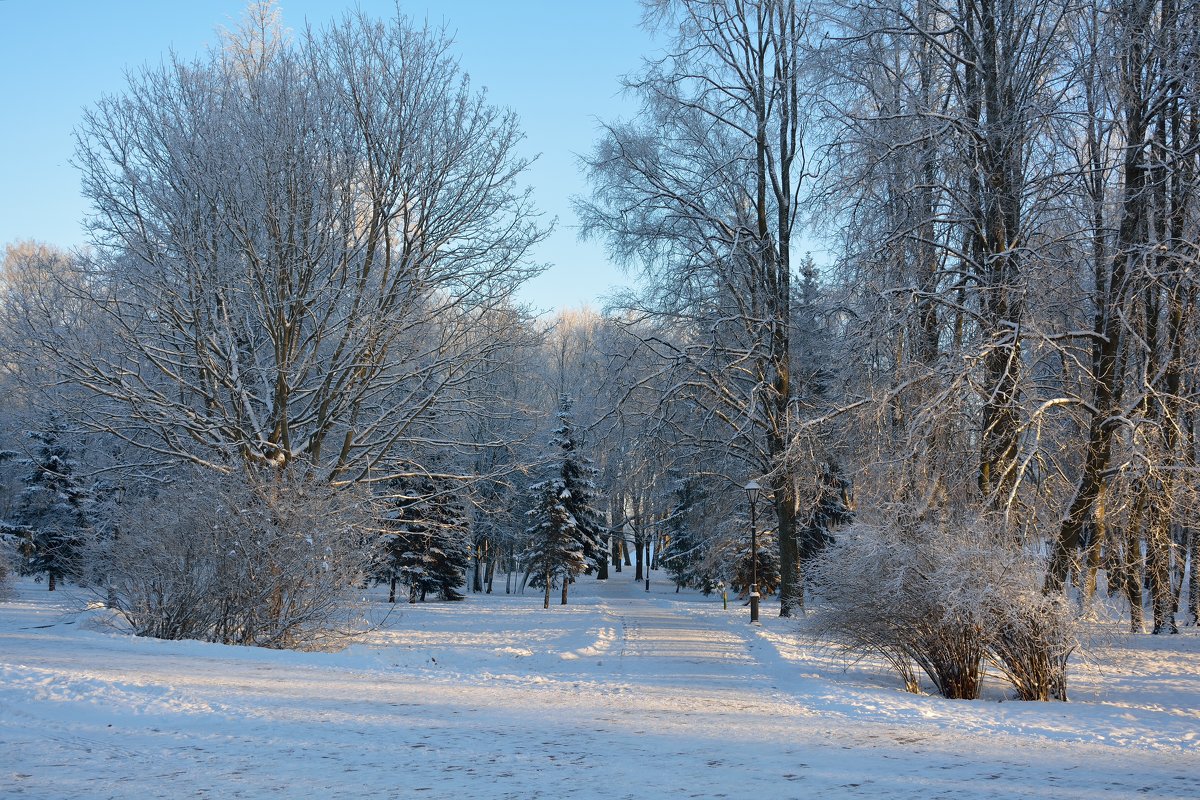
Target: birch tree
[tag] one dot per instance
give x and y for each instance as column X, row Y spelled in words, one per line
column 1141, row 431
column 700, row 193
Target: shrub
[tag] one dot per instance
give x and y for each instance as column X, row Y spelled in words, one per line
column 270, row 562
column 1030, row 643
column 948, row 602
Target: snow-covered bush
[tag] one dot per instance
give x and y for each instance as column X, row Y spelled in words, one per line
column 1029, row 641
column 272, row 562
column 947, row 600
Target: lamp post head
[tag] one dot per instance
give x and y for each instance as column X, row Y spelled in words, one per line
column 753, row 490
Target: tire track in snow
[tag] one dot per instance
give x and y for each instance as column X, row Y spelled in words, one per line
column 656, row 643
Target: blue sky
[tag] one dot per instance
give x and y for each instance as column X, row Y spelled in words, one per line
column 556, row 64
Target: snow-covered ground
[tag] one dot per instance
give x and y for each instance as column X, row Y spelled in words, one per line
column 621, row 694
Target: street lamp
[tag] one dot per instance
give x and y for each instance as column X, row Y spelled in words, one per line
column 753, row 490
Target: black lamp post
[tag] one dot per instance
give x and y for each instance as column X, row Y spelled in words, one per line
column 753, row 490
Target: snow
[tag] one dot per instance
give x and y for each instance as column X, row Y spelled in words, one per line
column 622, row 694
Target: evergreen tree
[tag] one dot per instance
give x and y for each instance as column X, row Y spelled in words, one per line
column 832, row 509
column 687, row 546
column 10, row 535
column 556, row 552
column 428, row 546
column 567, row 534
column 768, row 564
column 53, row 510
column 578, row 478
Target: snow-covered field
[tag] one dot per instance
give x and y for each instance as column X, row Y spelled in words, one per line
column 621, row 694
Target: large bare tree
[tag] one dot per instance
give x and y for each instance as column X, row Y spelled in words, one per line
column 701, row 193
column 296, row 242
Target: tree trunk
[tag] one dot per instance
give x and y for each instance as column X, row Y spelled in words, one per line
column 998, row 178
column 546, row 600
column 1097, row 544
column 477, row 576
column 1158, row 563
column 1179, row 543
column 1133, row 565
column 637, row 546
column 647, row 562
column 1083, row 504
column 791, row 570
column 616, row 530
column 392, row 590
column 602, row 563
column 1194, row 582
column 566, row 583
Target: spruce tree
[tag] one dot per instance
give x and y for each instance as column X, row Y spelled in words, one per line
column 556, row 552
column 768, row 564
column 567, row 530
column 832, row 509
column 53, row 510
column 11, row 535
column 578, row 476
column 428, row 545
column 687, row 547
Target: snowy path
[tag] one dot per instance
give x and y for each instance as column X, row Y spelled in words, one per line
column 618, row 695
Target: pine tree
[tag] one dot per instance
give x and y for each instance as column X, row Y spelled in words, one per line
column 53, row 510
column 428, row 546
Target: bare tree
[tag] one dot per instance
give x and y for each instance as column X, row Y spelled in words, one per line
column 1141, row 432
column 938, row 122
column 295, row 242
column 701, row 192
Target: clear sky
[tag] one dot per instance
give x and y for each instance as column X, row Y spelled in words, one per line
column 556, row 63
